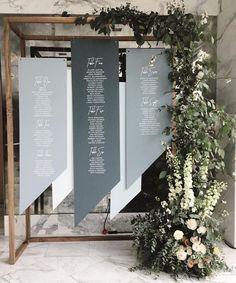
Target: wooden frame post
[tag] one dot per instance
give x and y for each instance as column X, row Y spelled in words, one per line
column 10, row 145
column 1, row 154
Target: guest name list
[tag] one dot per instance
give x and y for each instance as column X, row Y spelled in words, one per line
column 43, row 136
column 95, row 100
column 148, row 124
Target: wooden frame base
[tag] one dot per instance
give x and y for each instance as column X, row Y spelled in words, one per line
column 97, row 238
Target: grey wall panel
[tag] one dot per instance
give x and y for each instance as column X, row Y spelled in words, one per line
column 43, row 120
column 95, row 88
column 147, row 90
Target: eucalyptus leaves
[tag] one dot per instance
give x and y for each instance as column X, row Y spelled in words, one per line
column 180, row 234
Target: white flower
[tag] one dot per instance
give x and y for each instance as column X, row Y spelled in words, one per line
column 164, row 203
column 189, row 251
column 191, row 224
column 200, row 75
column 178, row 235
column 194, row 209
column 200, row 248
column 168, row 211
column 200, row 264
column 204, row 21
column 188, row 198
column 216, row 251
column 204, row 18
column 202, row 230
column 195, row 240
column 196, row 65
column 202, row 56
column 181, row 254
column 225, row 213
column 197, row 95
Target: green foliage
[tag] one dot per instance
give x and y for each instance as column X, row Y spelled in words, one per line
column 180, row 234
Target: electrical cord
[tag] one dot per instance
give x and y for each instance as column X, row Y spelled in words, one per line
column 105, row 231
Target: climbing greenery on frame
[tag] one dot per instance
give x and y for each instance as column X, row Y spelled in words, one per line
column 181, row 234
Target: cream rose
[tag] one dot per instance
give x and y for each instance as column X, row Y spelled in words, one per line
column 181, row 254
column 202, row 248
column 195, row 240
column 199, row 248
column 191, row 224
column 216, row 251
column 202, row 230
column 178, row 235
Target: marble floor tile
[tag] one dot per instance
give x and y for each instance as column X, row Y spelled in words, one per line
column 78, row 249
column 87, row 262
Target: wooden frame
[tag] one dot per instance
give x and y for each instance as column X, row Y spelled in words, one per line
column 10, row 24
column 1, row 152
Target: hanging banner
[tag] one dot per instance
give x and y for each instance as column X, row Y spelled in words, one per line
column 63, row 185
column 43, row 123
column 95, row 88
column 120, row 195
column 148, row 91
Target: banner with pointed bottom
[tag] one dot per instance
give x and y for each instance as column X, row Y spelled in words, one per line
column 95, row 85
column 148, row 95
column 43, row 125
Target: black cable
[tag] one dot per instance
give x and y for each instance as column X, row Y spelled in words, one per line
column 105, row 231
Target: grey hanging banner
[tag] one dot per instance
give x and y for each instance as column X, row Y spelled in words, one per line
column 43, row 106
column 147, row 90
column 95, row 88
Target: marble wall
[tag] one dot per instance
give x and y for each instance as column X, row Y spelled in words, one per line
column 226, row 95
column 88, row 6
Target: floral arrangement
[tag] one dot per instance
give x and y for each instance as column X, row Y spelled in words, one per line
column 181, row 233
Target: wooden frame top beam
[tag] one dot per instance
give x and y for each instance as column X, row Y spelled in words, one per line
column 14, row 20
column 70, row 37
column 43, row 19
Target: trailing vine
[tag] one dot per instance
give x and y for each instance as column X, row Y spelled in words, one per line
column 180, row 234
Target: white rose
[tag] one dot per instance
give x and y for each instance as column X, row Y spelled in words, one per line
column 191, row 224
column 181, row 254
column 202, row 230
column 200, row 75
column 199, row 248
column 196, row 247
column 178, row 235
column 202, row 248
